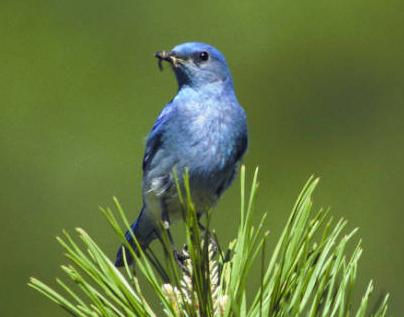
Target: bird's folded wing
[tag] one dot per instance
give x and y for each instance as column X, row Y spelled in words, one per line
column 155, row 139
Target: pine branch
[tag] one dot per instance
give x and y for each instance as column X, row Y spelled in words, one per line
column 309, row 273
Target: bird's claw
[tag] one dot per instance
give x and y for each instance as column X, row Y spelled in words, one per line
column 182, row 257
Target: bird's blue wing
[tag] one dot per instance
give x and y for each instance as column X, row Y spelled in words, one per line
column 240, row 148
column 143, row 228
column 155, row 138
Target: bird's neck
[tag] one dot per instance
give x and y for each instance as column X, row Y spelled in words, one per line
column 211, row 89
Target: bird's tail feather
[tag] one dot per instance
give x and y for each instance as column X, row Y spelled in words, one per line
column 144, row 231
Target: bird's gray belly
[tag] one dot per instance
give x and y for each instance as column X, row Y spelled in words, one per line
column 206, row 186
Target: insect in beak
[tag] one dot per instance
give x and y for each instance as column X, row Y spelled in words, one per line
column 167, row 56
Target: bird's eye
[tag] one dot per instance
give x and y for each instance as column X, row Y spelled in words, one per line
column 204, row 56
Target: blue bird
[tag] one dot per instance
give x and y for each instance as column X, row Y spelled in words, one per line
column 202, row 129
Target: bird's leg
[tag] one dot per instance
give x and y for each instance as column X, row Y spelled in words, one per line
column 210, row 237
column 157, row 265
column 166, row 226
column 179, row 256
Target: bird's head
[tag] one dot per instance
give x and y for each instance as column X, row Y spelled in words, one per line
column 196, row 64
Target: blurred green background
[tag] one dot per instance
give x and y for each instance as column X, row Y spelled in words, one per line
column 322, row 83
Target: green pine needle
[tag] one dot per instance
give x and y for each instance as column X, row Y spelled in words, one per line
column 309, row 272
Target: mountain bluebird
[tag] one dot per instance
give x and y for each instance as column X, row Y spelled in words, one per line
column 202, row 129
